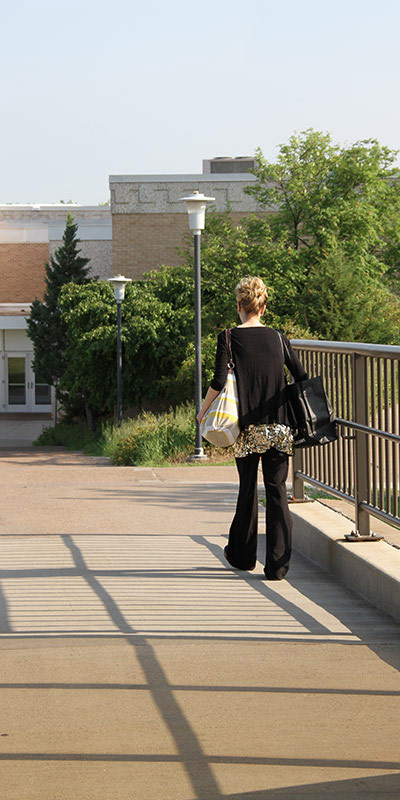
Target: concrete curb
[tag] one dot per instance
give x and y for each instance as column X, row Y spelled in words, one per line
column 372, row 569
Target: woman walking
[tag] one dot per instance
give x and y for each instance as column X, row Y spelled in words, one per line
column 259, row 354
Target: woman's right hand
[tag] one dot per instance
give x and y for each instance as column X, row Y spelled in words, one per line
column 210, row 396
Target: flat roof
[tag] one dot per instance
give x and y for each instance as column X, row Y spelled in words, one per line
column 212, row 177
column 15, row 309
column 50, row 207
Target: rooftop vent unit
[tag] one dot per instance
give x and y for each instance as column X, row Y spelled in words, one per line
column 227, row 164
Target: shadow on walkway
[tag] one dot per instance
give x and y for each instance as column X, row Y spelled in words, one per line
column 206, row 602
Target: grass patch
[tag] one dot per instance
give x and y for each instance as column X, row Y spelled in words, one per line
column 149, row 440
column 317, row 494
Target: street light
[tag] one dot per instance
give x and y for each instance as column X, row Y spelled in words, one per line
column 196, row 207
column 118, row 284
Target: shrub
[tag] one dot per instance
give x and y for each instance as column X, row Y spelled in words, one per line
column 149, row 440
column 155, row 439
column 72, row 435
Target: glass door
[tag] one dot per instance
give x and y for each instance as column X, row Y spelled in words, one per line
column 17, row 390
column 25, row 391
column 38, row 391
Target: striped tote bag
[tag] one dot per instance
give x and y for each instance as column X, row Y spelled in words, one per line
column 220, row 424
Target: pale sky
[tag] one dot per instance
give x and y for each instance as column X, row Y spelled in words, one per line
column 91, row 88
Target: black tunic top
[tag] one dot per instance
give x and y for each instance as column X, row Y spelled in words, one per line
column 259, row 359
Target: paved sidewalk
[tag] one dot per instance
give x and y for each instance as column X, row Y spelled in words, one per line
column 20, row 432
column 135, row 664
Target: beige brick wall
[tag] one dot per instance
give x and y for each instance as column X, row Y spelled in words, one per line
column 22, row 271
column 145, row 241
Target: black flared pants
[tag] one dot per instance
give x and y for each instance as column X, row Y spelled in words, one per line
column 241, row 551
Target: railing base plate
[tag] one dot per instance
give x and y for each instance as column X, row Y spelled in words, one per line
column 302, row 500
column 356, row 537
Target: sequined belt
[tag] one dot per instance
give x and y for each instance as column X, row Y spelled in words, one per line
column 260, row 438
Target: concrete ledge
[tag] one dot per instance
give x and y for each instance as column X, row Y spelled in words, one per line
column 372, row 569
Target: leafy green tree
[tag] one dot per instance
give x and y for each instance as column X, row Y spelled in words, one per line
column 333, row 205
column 46, row 327
column 341, row 302
column 322, row 194
column 228, row 253
column 154, row 339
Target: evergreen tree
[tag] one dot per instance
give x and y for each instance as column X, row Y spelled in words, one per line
column 46, row 328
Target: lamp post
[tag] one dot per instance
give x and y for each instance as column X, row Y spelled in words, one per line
column 196, row 207
column 118, row 283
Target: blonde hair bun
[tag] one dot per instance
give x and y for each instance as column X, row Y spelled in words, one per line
column 252, row 294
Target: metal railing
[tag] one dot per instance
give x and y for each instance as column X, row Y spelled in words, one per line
column 363, row 465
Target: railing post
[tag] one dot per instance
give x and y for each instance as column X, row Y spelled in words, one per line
column 361, row 465
column 297, row 483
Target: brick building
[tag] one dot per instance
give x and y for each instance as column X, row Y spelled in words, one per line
column 29, row 235
column 142, row 230
column 149, row 221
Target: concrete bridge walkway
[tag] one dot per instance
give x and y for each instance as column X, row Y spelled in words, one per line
column 135, row 664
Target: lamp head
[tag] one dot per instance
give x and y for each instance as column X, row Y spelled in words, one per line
column 196, row 206
column 118, row 283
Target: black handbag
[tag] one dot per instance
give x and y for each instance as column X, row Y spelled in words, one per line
column 310, row 412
